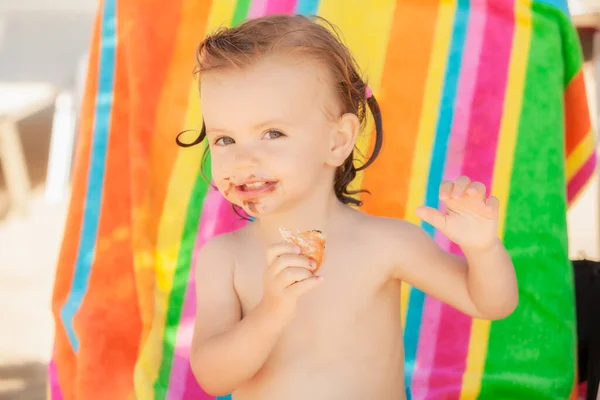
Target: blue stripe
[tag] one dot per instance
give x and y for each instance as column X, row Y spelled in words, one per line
column 89, row 230
column 436, row 170
column 307, row 7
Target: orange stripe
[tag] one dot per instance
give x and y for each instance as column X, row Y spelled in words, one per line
column 402, row 83
column 64, row 356
column 175, row 33
column 102, row 329
column 577, row 121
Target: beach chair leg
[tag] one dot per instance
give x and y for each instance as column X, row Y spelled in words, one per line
column 14, row 167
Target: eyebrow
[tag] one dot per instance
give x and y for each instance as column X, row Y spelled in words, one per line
column 267, row 123
column 256, row 127
column 216, row 130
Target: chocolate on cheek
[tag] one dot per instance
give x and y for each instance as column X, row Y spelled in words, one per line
column 229, row 188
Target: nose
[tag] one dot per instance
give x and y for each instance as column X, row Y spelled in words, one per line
column 246, row 157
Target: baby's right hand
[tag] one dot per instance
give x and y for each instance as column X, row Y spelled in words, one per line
column 288, row 275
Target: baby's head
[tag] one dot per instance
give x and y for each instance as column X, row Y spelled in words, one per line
column 283, row 103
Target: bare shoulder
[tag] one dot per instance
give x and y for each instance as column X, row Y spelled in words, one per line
column 224, row 245
column 216, row 250
column 391, row 231
column 395, row 243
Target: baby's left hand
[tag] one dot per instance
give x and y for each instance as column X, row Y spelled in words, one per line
column 471, row 219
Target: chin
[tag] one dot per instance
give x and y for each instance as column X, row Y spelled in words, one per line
column 262, row 207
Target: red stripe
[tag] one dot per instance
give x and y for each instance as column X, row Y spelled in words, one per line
column 478, row 164
column 582, row 176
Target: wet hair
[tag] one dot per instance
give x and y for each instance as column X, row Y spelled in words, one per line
column 316, row 38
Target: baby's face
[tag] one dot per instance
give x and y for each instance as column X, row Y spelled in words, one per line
column 270, row 129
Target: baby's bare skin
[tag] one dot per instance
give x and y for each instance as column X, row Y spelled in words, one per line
column 340, row 338
column 345, row 341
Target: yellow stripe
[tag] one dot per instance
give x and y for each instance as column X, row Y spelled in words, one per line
column 171, row 225
column 221, row 14
column 580, row 155
column 404, row 295
column 366, row 27
column 427, row 123
column 480, row 330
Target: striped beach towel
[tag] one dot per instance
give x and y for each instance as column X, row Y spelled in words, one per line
column 492, row 89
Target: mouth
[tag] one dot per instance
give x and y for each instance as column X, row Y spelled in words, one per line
column 255, row 188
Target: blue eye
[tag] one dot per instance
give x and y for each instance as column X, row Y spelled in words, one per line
column 224, row 141
column 273, row 134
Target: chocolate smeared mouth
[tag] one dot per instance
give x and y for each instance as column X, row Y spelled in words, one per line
column 256, row 185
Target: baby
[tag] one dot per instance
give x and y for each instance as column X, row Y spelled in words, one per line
column 283, row 103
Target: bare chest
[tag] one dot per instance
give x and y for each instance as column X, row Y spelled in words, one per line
column 350, row 280
column 355, row 300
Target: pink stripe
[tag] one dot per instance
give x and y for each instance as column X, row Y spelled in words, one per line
column 454, row 161
column 55, row 392
column 478, row 159
column 257, row 8
column 576, row 183
column 217, row 218
column 280, row 7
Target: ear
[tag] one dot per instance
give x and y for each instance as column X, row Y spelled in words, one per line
column 343, row 139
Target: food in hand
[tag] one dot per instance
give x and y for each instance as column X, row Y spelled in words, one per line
column 311, row 243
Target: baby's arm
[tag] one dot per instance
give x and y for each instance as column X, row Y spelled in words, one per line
column 226, row 350
column 483, row 285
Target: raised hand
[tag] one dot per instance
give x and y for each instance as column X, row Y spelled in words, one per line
column 471, row 218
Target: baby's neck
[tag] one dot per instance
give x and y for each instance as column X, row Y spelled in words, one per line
column 304, row 217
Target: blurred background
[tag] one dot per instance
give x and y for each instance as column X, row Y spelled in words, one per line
column 43, row 53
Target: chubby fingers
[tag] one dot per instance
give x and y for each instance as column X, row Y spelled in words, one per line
column 454, row 190
column 291, row 275
column 460, row 187
column 493, row 204
column 476, row 190
column 280, row 248
column 290, row 261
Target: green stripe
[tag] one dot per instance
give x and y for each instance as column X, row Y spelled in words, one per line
column 531, row 354
column 571, row 48
column 241, row 12
column 180, row 280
